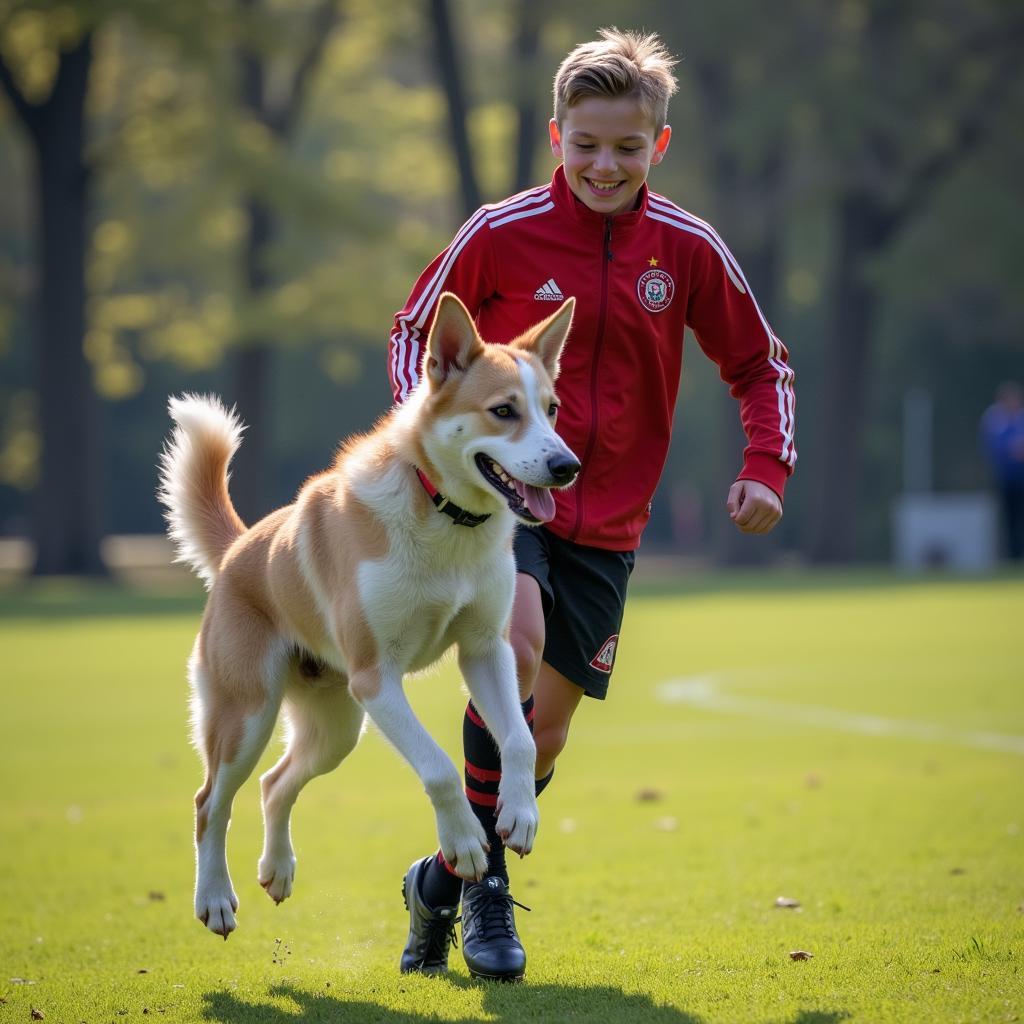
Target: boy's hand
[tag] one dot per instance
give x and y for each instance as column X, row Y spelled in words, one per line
column 753, row 507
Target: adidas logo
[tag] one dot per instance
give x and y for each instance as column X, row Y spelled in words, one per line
column 549, row 292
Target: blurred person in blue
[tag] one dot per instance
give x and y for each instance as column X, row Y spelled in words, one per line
column 1002, row 435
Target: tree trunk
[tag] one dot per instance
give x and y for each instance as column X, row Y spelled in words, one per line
column 67, row 521
column 252, row 370
column 254, row 359
column 861, row 230
column 748, row 219
column 451, row 79
column 529, row 129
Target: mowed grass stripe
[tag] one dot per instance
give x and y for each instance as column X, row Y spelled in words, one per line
column 668, row 834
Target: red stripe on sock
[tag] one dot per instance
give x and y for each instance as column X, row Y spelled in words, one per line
column 474, row 717
column 482, row 774
column 484, row 799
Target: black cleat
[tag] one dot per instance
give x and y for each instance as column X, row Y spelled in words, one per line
column 431, row 931
column 490, row 942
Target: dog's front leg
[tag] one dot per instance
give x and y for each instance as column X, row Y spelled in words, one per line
column 463, row 840
column 489, row 669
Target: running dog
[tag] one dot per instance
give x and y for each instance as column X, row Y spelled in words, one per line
column 402, row 549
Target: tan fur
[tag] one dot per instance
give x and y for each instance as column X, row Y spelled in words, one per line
column 300, row 600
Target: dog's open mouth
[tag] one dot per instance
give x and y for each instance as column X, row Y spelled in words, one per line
column 533, row 504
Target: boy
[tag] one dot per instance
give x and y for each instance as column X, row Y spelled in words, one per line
column 641, row 270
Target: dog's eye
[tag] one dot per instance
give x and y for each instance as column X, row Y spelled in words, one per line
column 553, row 409
column 505, row 412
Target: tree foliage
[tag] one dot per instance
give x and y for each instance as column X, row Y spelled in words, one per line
column 861, row 158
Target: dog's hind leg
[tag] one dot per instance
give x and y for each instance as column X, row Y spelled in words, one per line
column 233, row 725
column 323, row 723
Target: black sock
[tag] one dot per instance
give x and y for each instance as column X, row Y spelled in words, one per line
column 440, row 887
column 483, row 774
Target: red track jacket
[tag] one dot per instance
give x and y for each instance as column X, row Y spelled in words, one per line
column 639, row 279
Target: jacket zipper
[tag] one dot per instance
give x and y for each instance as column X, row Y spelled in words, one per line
column 606, row 258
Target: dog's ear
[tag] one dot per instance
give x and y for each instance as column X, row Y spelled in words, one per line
column 547, row 338
column 453, row 342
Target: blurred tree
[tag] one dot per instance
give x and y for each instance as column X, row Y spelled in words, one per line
column 899, row 139
column 521, row 46
column 44, row 71
column 364, row 189
column 449, row 67
column 274, row 103
column 749, row 213
column 526, row 74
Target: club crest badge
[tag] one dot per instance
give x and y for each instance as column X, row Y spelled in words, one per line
column 605, row 658
column 655, row 289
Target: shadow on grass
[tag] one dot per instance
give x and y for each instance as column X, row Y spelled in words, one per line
column 506, row 1004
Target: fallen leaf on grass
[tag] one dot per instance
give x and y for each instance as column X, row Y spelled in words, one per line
column 800, row 954
column 156, row 896
column 786, row 903
column 38, row 1014
column 649, row 795
column 958, row 871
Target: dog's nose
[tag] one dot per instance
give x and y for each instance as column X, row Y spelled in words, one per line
column 563, row 469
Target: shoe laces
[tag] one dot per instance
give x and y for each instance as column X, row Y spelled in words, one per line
column 494, row 914
column 440, row 932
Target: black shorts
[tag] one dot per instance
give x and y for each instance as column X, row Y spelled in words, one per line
column 584, row 592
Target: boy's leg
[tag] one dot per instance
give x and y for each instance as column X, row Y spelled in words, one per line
column 579, row 633
column 557, row 699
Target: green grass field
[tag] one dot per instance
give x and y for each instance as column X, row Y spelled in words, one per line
column 857, row 745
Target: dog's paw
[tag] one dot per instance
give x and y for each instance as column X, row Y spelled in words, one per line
column 277, row 875
column 216, row 909
column 517, row 825
column 466, row 850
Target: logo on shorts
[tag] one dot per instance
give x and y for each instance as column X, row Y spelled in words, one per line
column 655, row 289
column 605, row 658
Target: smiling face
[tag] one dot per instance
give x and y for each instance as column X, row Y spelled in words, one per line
column 607, row 147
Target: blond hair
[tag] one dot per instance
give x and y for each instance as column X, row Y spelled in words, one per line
column 618, row 64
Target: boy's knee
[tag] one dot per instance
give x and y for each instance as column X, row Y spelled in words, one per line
column 528, row 648
column 550, row 739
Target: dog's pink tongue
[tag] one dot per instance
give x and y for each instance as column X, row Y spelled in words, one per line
column 539, row 500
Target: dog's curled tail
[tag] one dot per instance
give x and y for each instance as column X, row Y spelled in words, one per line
column 201, row 521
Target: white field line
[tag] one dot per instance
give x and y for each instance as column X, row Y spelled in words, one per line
column 704, row 693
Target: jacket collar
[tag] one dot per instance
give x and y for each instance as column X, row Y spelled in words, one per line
column 566, row 201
